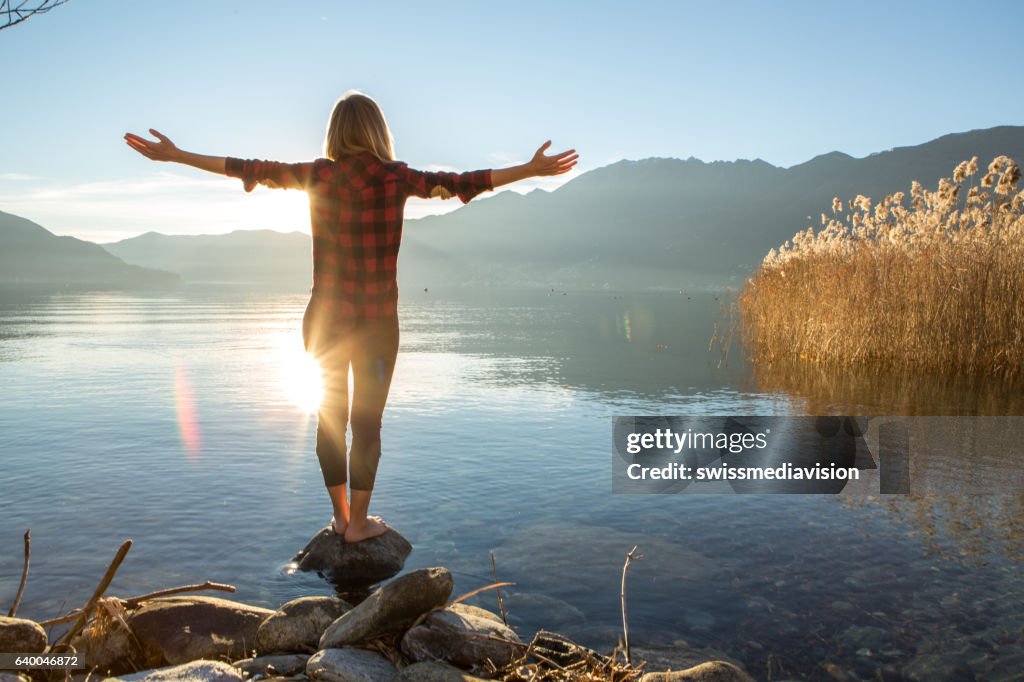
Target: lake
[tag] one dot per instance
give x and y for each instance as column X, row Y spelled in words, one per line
column 183, row 421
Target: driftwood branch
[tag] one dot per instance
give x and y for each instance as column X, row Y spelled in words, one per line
column 501, row 603
column 100, row 589
column 630, row 558
column 24, row 574
column 132, row 602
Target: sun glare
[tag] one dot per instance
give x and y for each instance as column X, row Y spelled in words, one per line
column 299, row 374
column 283, row 210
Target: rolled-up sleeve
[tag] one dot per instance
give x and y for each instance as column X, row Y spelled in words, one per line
column 463, row 185
column 255, row 171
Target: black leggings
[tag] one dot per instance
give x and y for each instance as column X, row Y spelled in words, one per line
column 370, row 346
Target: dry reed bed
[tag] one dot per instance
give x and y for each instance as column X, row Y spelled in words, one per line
column 936, row 286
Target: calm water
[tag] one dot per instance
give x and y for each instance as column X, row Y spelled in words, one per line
column 182, row 421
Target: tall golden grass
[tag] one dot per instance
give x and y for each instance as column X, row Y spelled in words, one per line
column 936, row 286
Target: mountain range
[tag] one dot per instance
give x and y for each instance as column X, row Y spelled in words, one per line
column 652, row 223
column 31, row 255
column 668, row 222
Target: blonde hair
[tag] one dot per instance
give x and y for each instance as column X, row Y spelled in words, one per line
column 357, row 124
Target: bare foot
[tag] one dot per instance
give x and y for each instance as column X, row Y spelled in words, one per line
column 339, row 528
column 373, row 527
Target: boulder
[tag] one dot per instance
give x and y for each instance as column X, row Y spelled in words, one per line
column 177, row 629
column 299, row 624
column 433, row 672
column 349, row 565
column 285, row 664
column 712, row 671
column 392, row 607
column 193, row 671
column 463, row 639
column 19, row 635
column 349, row 665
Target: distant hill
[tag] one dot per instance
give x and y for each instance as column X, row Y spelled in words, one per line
column 259, row 257
column 263, row 258
column 31, row 255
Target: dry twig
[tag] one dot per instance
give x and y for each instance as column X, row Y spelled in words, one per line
column 501, row 603
column 24, row 574
column 492, row 586
column 100, row 589
column 132, row 602
column 630, row 557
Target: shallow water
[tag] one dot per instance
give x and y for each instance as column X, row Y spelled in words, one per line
column 182, row 421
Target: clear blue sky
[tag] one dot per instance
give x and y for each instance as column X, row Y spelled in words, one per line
column 468, row 85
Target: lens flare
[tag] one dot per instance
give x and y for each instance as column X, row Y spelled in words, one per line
column 188, row 420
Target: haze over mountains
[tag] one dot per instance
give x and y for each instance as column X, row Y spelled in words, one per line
column 250, row 256
column 654, row 223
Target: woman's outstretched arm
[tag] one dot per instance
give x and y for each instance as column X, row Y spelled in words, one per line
column 251, row 171
column 537, row 166
column 465, row 186
column 165, row 150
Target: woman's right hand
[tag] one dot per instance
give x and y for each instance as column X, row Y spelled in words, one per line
column 161, row 150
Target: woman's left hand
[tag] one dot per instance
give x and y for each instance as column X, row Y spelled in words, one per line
column 541, row 164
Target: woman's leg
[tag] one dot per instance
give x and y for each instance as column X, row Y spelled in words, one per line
column 333, row 354
column 373, row 364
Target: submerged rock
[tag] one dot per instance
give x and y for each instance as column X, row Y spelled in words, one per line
column 555, row 613
column 299, row 624
column 463, row 639
column 712, row 671
column 350, row 665
column 285, row 664
column 194, row 671
column 20, row 635
column 392, row 607
column 434, row 672
column 354, row 564
column 177, row 629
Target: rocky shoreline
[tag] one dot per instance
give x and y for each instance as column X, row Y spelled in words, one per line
column 408, row 630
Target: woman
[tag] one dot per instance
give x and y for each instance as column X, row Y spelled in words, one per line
column 357, row 196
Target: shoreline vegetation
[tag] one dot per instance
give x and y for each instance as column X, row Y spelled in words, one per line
column 408, row 630
column 933, row 288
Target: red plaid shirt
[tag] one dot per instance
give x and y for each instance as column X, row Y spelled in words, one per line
column 356, row 204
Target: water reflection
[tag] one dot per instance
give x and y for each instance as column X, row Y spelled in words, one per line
column 647, row 346
column 822, row 390
column 969, row 529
